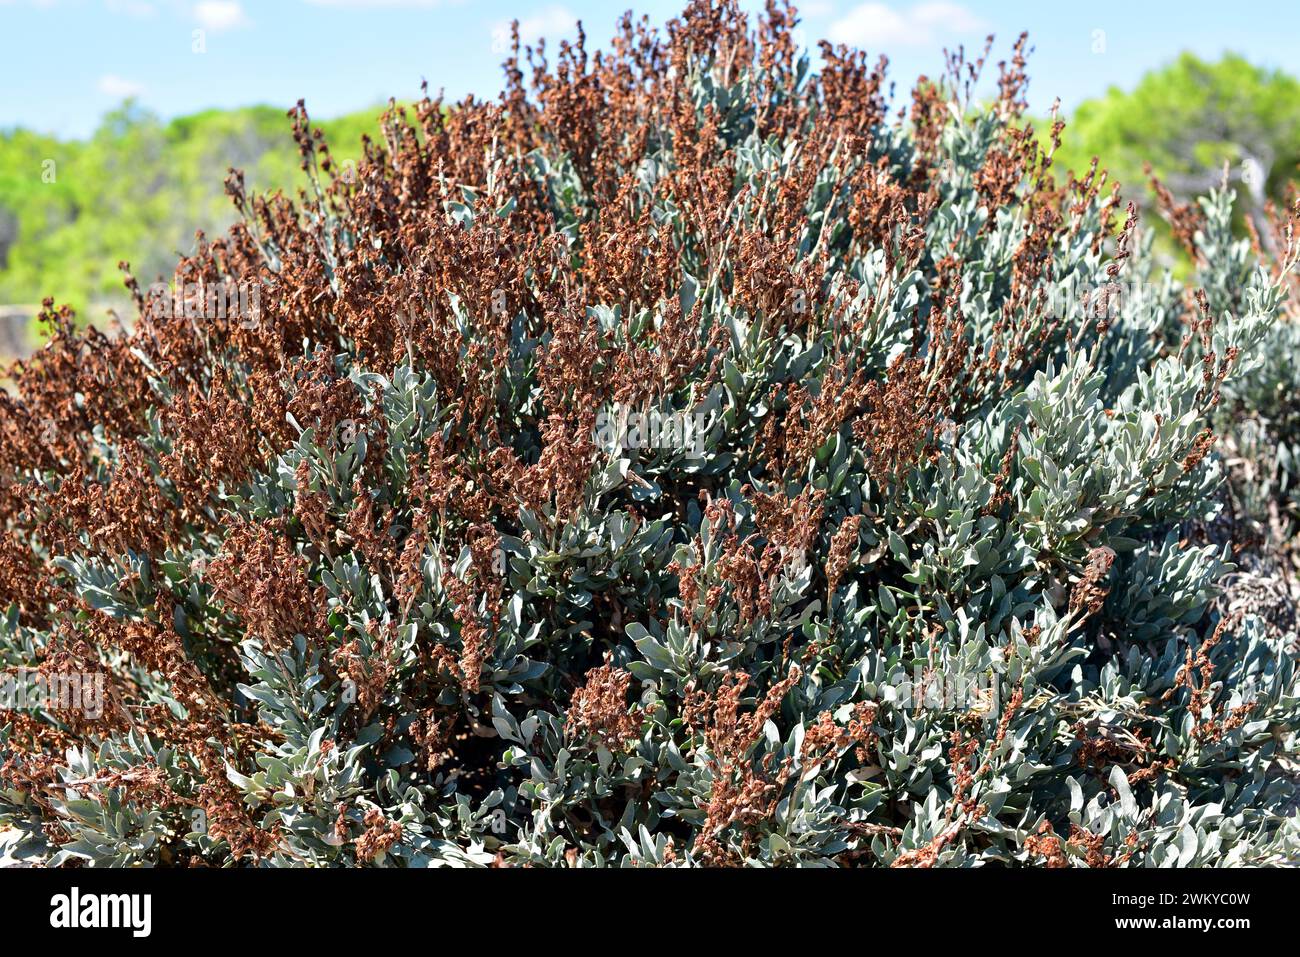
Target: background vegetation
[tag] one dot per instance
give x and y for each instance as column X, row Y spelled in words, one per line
column 140, row 187
column 136, row 190
column 1191, row 122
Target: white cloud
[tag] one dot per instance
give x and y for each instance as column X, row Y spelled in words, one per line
column 952, row 17
column 115, row 86
column 877, row 26
column 131, row 8
column 552, row 23
column 373, row 4
column 815, row 9
column 218, row 15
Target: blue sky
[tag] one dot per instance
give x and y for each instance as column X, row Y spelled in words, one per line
column 66, row 62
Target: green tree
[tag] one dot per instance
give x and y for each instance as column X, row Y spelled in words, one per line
column 137, row 189
column 1191, row 119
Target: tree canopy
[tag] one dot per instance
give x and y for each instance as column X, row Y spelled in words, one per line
column 1190, row 119
column 137, row 189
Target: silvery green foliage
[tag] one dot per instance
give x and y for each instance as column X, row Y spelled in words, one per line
column 1090, row 723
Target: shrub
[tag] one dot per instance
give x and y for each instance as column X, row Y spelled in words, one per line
column 679, row 461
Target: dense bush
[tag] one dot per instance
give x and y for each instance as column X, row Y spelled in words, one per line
column 686, row 460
